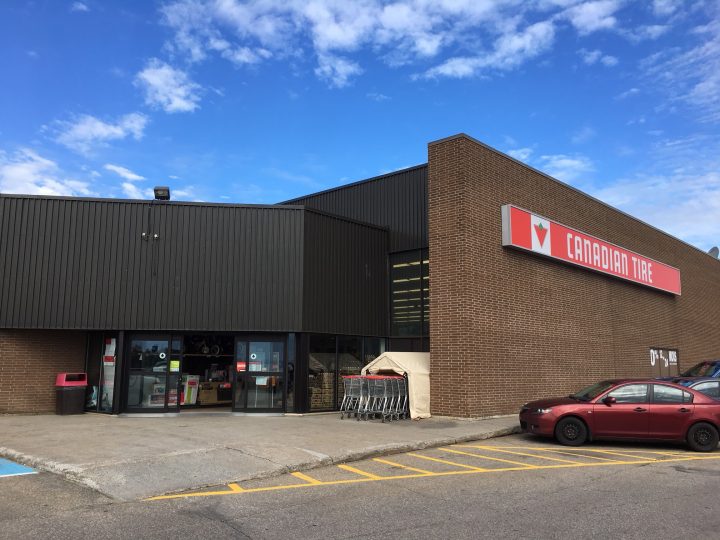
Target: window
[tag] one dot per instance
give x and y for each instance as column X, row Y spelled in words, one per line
column 321, row 372
column 630, row 393
column 409, row 292
column 668, row 394
column 710, row 388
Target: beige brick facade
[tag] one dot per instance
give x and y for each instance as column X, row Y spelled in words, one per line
column 507, row 326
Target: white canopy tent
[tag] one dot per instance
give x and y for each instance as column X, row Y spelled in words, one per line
column 416, row 366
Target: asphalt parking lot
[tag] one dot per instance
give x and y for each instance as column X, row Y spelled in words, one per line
column 512, row 487
column 517, row 455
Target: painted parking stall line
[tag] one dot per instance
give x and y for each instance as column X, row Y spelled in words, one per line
column 467, row 459
column 10, row 468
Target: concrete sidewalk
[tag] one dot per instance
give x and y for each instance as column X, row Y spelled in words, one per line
column 133, row 457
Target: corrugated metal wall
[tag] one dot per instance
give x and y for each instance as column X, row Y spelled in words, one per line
column 73, row 263
column 345, row 277
column 396, row 201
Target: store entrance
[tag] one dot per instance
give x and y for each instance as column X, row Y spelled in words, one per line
column 259, row 375
column 207, row 377
column 169, row 373
column 154, row 375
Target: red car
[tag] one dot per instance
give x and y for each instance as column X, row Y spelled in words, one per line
column 627, row 409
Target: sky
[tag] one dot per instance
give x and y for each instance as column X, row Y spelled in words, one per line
column 263, row 101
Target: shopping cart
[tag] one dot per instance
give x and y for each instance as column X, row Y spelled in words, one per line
column 351, row 401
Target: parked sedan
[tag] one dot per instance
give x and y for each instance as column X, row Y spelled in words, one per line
column 709, row 368
column 710, row 386
column 627, row 409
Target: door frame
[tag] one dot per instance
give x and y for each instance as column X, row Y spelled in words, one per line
column 238, row 375
column 127, row 371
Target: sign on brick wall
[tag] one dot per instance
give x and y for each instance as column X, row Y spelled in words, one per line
column 531, row 232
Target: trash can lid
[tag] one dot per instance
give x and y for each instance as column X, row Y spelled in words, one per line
column 71, row 379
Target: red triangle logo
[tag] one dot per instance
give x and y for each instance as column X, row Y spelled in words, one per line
column 541, row 233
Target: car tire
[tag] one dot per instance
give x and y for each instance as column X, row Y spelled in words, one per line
column 571, row 431
column 703, row 437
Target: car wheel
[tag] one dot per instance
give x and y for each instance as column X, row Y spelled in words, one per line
column 571, row 431
column 702, row 437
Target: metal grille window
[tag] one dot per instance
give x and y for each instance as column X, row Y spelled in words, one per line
column 409, row 291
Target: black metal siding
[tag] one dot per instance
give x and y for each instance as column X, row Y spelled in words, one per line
column 396, row 201
column 82, row 264
column 345, row 277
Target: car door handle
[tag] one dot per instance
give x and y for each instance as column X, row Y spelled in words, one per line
column 639, row 409
column 684, row 410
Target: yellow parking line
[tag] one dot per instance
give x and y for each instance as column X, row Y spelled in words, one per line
column 461, row 465
column 617, row 454
column 367, row 477
column 358, row 471
column 495, row 449
column 473, row 454
column 393, row 464
column 236, row 488
column 309, row 479
column 574, row 454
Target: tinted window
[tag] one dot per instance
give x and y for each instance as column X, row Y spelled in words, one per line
column 593, row 391
column 630, row 393
column 703, row 369
column 711, row 389
column 668, row 394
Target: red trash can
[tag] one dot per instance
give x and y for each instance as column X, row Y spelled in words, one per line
column 70, row 393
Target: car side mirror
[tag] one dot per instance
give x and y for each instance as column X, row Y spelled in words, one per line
column 609, row 400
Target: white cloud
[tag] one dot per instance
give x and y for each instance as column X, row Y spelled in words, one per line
column 522, row 154
column 566, row 168
column 26, row 172
column 666, row 7
column 133, row 192
column 336, row 70
column 510, row 50
column 79, row 6
column 594, row 56
column 583, row 135
column 397, row 32
column 590, row 17
column 686, row 206
column 87, row 132
column 646, row 32
column 690, row 76
column 377, row 96
column 678, row 192
column 123, row 172
column 168, row 88
column 628, row 93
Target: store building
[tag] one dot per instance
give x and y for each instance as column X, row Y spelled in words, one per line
column 536, row 289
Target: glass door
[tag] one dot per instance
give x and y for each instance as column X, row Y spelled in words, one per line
column 153, row 375
column 259, row 376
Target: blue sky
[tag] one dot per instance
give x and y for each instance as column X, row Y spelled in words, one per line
column 265, row 100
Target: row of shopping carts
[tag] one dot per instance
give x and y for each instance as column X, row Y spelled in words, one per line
column 373, row 396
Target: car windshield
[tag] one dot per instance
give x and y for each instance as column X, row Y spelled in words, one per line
column 592, row 391
column 703, row 369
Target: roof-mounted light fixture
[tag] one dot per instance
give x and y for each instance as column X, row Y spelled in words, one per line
column 162, row 193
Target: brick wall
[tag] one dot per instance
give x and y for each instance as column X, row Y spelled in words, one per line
column 29, row 362
column 507, row 326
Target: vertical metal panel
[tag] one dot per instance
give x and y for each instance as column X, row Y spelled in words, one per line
column 396, row 201
column 345, row 277
column 80, row 263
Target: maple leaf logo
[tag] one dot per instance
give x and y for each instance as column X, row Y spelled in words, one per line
column 541, row 233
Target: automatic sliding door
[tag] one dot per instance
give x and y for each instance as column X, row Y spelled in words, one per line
column 147, row 388
column 260, row 372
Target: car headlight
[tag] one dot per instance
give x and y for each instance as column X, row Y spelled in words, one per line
column 542, row 411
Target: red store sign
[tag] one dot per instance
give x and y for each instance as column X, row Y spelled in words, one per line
column 530, row 232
